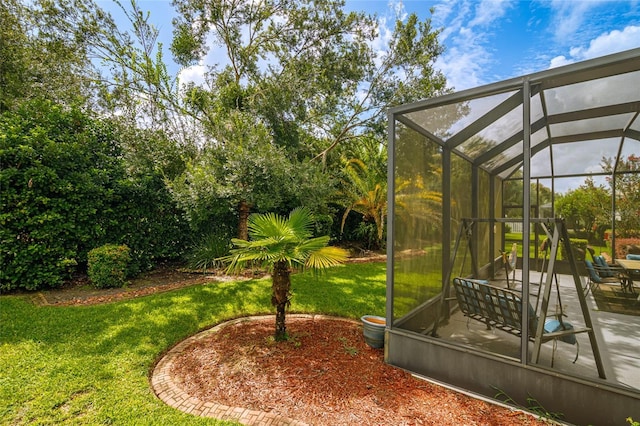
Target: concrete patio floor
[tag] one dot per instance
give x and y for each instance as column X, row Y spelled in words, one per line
column 617, row 335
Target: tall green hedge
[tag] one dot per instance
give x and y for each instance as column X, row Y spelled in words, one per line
column 65, row 189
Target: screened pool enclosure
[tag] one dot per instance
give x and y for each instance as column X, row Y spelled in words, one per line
column 474, row 237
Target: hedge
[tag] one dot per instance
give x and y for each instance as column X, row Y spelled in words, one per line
column 66, row 189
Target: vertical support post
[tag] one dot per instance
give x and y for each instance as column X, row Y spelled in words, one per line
column 447, row 229
column 475, row 208
column 613, row 215
column 447, row 262
column 526, row 216
column 390, row 215
column 492, row 224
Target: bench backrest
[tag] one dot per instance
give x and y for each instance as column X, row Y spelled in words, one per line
column 500, row 306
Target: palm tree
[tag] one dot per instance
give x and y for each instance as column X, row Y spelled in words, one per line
column 365, row 192
column 281, row 244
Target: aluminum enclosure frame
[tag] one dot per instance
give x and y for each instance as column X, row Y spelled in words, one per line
column 580, row 400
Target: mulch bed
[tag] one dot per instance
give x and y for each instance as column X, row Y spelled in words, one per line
column 324, row 374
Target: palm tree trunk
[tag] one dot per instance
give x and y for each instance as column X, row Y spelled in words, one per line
column 280, row 292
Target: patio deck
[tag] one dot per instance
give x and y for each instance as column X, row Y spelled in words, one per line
column 617, row 336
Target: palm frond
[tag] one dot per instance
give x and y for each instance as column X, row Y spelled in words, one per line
column 276, row 239
column 267, row 225
column 326, row 257
column 313, row 244
column 301, row 222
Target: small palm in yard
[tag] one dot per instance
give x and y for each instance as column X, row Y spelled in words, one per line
column 281, row 244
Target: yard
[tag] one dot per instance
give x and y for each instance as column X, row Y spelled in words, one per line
column 89, row 363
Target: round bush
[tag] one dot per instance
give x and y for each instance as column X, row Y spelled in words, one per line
column 107, row 265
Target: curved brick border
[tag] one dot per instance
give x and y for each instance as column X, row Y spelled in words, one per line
column 172, row 394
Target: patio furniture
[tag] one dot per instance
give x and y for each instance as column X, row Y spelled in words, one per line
column 601, row 272
column 502, row 308
column 631, row 267
column 597, row 276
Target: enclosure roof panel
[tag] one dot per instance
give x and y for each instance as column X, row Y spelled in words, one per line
column 580, row 115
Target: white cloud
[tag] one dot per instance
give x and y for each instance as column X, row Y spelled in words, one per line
column 193, row 74
column 468, row 29
column 489, row 11
column 614, row 41
column 462, row 69
column 569, row 17
column 559, row 61
column 385, row 31
column 605, row 44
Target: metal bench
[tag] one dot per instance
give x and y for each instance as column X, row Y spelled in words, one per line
column 501, row 308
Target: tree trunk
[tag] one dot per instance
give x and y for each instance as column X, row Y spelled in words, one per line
column 280, row 293
column 243, row 220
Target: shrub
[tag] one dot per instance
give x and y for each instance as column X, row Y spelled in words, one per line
column 625, row 246
column 367, row 233
column 204, row 254
column 579, row 246
column 69, row 185
column 57, row 168
column 145, row 218
column 107, row 265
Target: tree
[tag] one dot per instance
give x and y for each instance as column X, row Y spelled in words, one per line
column 587, row 207
column 45, row 51
column 280, row 243
column 303, row 65
column 248, row 172
column 305, row 71
column 364, row 186
column 627, row 194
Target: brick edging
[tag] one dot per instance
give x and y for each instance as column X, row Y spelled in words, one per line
column 170, row 392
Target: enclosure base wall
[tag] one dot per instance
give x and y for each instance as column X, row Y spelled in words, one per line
column 580, row 402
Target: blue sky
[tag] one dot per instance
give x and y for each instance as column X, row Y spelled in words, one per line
column 490, row 40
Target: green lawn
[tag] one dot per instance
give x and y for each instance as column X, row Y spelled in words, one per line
column 517, row 238
column 90, row 364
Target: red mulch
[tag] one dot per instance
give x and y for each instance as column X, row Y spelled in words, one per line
column 324, row 375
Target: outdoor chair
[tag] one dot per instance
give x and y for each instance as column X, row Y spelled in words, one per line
column 600, row 272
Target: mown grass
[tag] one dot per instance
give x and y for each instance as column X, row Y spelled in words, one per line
column 517, row 238
column 90, row 364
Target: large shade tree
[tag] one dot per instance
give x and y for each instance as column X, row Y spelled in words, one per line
column 280, row 244
column 627, row 187
column 310, row 73
column 45, row 51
